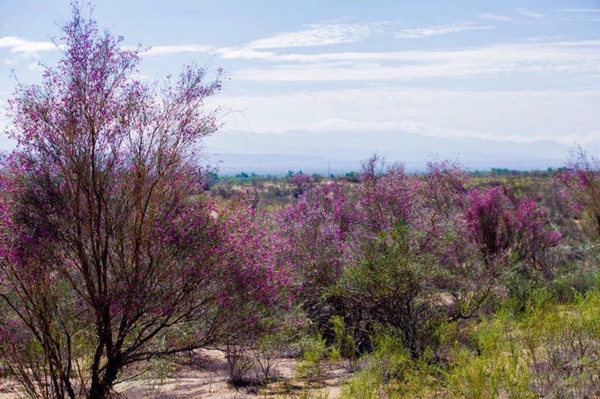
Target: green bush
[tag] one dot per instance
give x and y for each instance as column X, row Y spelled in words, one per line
column 314, row 351
column 562, row 346
column 390, row 286
column 344, row 344
column 392, row 371
column 497, row 368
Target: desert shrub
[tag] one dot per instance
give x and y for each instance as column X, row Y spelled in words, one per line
column 344, row 346
column 158, row 371
column 390, row 358
column 301, row 183
column 365, row 385
column 582, row 183
column 391, row 371
column 239, row 362
column 389, row 287
column 568, row 286
column 562, row 345
column 412, row 251
column 314, row 239
column 512, row 244
column 549, row 351
column 278, row 340
column 266, row 351
column 496, row 368
column 314, row 351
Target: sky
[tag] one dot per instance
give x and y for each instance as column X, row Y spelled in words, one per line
column 464, row 71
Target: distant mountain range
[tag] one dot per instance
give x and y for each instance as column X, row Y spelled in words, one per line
column 340, row 152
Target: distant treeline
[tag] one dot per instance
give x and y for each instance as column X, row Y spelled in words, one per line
column 354, row 175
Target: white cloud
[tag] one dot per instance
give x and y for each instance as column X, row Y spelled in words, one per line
column 531, row 51
column 18, row 45
column 530, row 14
column 245, row 53
column 179, row 48
column 489, row 16
column 438, row 30
column 565, row 116
column 313, row 35
column 583, row 10
column 578, row 57
column 33, row 48
column 319, row 35
column 426, row 129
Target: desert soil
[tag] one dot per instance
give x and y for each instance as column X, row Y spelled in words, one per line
column 203, row 374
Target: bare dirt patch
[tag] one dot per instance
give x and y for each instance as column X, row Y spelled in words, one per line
column 204, row 375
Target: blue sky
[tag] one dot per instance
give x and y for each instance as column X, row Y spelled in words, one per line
column 500, row 71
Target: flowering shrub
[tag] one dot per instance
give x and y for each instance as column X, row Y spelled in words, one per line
column 301, row 182
column 582, row 183
column 408, row 250
column 111, row 255
column 490, row 223
column 498, row 225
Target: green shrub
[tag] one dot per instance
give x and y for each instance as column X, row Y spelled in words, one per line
column 498, row 369
column 563, row 347
column 390, row 286
column 393, row 372
column 314, row 350
column 344, row 344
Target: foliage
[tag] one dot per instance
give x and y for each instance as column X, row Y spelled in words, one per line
column 118, row 248
column 498, row 368
column 549, row 351
column 392, row 371
column 582, row 183
column 410, row 251
column 314, row 351
column 562, row 347
column 344, row 344
column 390, row 286
column 108, row 245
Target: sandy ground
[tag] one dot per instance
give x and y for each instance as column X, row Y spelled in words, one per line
column 204, row 375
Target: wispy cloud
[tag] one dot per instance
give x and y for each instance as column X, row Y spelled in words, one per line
column 565, row 116
column 245, row 53
column 575, row 57
column 489, row 16
column 319, row 35
column 580, row 10
column 427, row 129
column 438, row 30
column 22, row 46
column 313, row 35
column 179, row 48
column 530, row 14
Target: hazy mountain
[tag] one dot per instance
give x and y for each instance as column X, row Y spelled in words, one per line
column 343, row 151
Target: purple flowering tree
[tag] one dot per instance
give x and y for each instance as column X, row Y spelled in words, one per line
column 110, row 255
